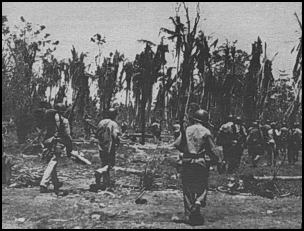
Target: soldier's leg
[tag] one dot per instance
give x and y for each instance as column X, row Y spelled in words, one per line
column 237, row 161
column 103, row 158
column 290, row 154
column 67, row 141
column 189, row 199
column 48, row 174
column 269, row 154
column 297, row 149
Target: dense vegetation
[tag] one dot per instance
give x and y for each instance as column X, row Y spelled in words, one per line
column 218, row 77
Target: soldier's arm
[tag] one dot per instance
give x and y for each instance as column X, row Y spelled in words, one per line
column 174, row 144
column 57, row 120
column 67, row 139
column 116, row 134
column 215, row 154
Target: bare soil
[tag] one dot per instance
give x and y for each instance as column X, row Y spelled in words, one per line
column 27, row 208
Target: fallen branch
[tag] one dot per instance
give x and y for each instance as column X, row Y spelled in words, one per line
column 79, row 156
column 128, row 170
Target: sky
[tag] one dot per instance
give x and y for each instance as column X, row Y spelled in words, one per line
column 123, row 23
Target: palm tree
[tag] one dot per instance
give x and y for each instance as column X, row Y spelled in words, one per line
column 250, row 90
column 79, row 81
column 185, row 43
column 297, row 80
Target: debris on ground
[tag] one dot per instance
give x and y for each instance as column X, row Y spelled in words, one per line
column 141, row 201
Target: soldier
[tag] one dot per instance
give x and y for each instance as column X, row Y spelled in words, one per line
column 198, row 148
column 272, row 140
column 239, row 138
column 156, row 132
column 57, row 134
column 176, row 131
column 108, row 134
column 255, row 143
column 226, row 139
column 294, row 143
column 69, row 114
column 124, row 127
column 283, row 139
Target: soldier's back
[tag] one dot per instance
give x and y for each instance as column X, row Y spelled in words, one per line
column 196, row 138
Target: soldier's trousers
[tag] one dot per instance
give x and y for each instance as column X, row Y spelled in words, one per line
column 272, row 154
column 107, row 158
column 253, row 151
column 195, row 183
column 50, row 173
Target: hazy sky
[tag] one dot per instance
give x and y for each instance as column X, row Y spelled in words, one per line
column 124, row 23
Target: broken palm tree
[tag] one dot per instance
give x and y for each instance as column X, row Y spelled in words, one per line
column 294, row 107
column 6, row 169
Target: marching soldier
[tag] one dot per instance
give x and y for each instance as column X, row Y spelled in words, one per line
column 239, row 138
column 294, row 143
column 255, row 143
column 283, row 139
column 57, row 134
column 198, row 148
column 273, row 138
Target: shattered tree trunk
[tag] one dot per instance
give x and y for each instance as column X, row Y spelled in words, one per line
column 6, row 169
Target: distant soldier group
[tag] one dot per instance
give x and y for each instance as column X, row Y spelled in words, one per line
column 259, row 139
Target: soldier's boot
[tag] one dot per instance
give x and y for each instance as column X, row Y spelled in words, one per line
column 44, row 189
column 57, row 187
column 196, row 218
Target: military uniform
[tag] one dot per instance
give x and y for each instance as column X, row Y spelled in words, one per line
column 108, row 135
column 283, row 138
column 57, row 136
column 271, row 142
column 255, row 144
column 294, row 145
column 239, row 137
column 225, row 139
column 197, row 152
column 156, row 132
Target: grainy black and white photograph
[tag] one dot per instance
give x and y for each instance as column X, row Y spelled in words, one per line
column 151, row 115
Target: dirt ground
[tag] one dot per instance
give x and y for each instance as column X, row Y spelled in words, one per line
column 27, row 208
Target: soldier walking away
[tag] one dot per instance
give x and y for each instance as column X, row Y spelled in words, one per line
column 176, row 131
column 239, row 138
column 255, row 143
column 294, row 143
column 283, row 138
column 225, row 139
column 272, row 140
column 156, row 131
column 57, row 136
column 108, row 134
column 198, row 148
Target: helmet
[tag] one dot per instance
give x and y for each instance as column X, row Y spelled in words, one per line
column 60, row 107
column 255, row 124
column 273, row 124
column 176, row 128
column 201, row 116
column 230, row 118
column 238, row 119
column 112, row 113
column 296, row 124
